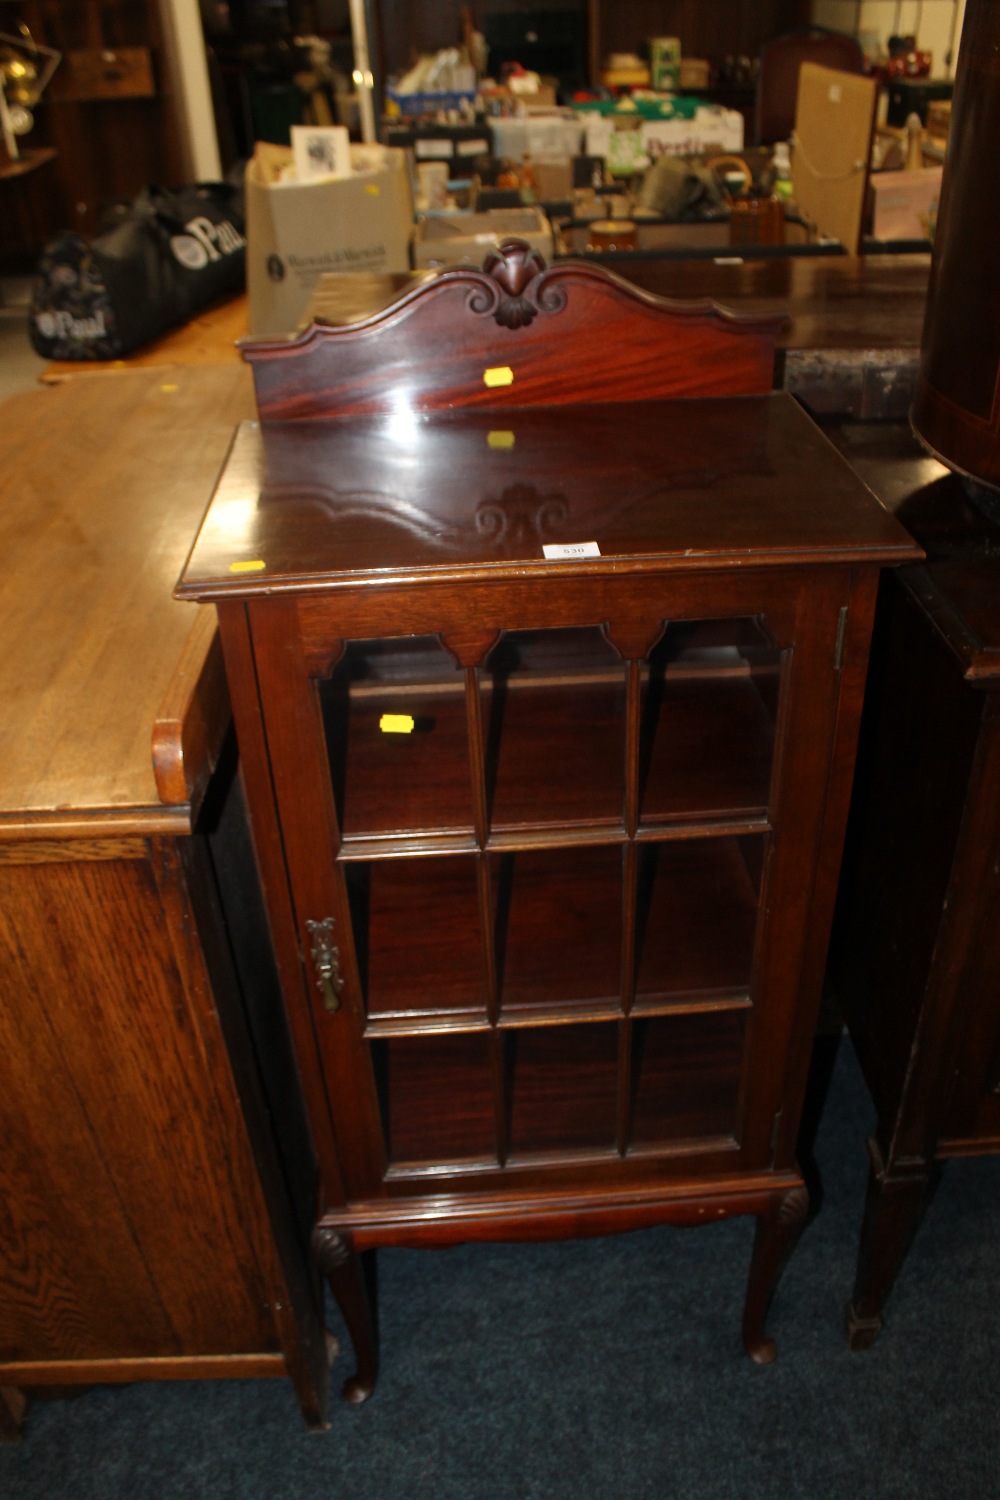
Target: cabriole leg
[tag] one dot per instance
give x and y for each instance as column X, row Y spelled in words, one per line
column 337, row 1260
column 777, row 1231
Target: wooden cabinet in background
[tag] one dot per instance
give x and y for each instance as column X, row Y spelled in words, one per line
column 107, row 113
column 549, row 839
column 916, row 955
column 563, row 35
column 149, row 1228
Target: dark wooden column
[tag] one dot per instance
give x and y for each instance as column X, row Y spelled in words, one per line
column 957, row 408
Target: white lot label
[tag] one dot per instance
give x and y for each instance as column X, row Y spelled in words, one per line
column 560, row 551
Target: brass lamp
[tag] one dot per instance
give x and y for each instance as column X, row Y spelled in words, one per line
column 25, row 69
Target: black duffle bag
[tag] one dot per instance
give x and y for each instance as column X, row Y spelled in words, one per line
column 171, row 253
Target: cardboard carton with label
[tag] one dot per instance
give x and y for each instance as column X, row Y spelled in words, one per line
column 297, row 231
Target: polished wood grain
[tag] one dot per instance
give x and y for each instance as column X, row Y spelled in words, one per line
column 579, row 999
column 155, row 1266
column 444, row 502
column 850, row 336
column 499, row 337
column 849, row 303
column 191, row 721
column 551, row 1098
column 122, row 1018
column 98, row 494
column 126, row 1270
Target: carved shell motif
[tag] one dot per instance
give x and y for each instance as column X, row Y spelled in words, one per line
column 514, row 265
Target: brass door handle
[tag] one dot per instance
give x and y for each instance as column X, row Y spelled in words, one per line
column 326, row 962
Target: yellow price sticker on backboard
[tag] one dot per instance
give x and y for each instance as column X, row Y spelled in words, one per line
column 396, row 723
column 498, row 375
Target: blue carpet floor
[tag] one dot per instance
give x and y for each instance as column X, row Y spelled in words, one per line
column 608, row 1368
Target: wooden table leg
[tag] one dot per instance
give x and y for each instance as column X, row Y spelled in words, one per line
column 13, row 1411
column 894, row 1206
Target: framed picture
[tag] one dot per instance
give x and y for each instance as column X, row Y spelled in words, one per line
column 321, row 151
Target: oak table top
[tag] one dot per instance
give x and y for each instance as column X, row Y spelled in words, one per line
column 102, row 484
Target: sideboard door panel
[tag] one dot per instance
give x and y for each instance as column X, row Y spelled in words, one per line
column 118, row 1189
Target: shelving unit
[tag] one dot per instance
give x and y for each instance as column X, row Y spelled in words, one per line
column 549, row 846
column 598, row 885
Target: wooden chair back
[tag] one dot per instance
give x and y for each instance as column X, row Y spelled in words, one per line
column 778, row 75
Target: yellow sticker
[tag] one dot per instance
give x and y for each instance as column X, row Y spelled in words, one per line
column 257, row 566
column 169, row 388
column 498, row 375
column 501, row 440
column 396, row 723
column 372, row 188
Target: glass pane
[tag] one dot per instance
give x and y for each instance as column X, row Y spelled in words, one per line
column 554, row 730
column 696, row 917
column 563, row 1087
column 686, row 1076
column 409, row 772
column 709, row 699
column 437, row 1097
column 417, row 934
column 558, row 926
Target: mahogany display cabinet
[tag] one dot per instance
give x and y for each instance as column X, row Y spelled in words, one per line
column 546, row 646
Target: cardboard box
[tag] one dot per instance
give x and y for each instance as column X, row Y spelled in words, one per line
column 555, row 180
column 458, row 145
column 834, row 121
column 543, row 97
column 551, row 135
column 696, row 73
column 298, row 230
column 939, row 119
column 465, row 239
column 904, row 204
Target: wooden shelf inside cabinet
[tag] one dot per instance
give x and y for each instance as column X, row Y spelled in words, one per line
column 546, row 686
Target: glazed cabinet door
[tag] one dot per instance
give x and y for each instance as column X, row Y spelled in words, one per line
column 565, row 854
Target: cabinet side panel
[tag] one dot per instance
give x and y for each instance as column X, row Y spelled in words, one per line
column 917, row 741
column 127, row 1228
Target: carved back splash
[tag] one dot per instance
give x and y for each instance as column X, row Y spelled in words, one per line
column 516, row 333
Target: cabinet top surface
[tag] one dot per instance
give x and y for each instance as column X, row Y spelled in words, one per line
column 956, row 586
column 724, row 482
column 102, row 481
